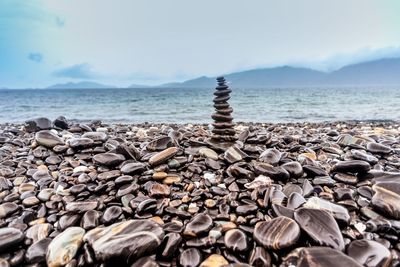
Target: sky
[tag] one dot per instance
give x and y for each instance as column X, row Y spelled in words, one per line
column 124, row 42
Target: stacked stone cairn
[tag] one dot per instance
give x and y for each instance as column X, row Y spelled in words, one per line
column 223, row 130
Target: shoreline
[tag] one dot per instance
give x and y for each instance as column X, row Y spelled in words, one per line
column 160, row 195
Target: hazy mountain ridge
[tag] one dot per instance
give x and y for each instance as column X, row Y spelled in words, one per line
column 377, row 72
column 80, row 85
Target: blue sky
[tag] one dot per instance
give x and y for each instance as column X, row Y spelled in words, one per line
column 149, row 42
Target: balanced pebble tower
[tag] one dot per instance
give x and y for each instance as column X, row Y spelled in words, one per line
column 223, row 130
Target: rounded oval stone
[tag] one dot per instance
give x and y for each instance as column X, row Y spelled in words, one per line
column 9, row 238
column 108, row 159
column 318, row 257
column 190, row 257
column 236, row 240
column 387, row 198
column 214, row 260
column 259, row 257
column 198, row 225
column 63, row 247
column 48, row 139
column 369, row 253
column 280, row 232
column 128, row 240
column 320, row 226
column 352, row 166
column 37, row 251
column 163, row 156
column 7, row 209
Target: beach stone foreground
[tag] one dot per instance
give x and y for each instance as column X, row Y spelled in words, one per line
column 295, row 194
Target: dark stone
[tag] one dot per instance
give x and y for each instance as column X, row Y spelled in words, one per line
column 61, row 122
column 236, row 241
column 37, row 251
column 318, row 257
column 369, row 253
column 280, row 232
column 200, row 224
column 190, row 257
column 320, row 226
column 37, row 125
column 352, row 166
column 10, row 238
column 108, row 159
column 259, row 257
column 125, row 241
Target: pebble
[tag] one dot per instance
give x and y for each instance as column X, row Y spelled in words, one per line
column 236, row 241
column 108, row 159
column 377, row 148
column 48, row 139
column 318, row 257
column 36, row 253
column 320, row 226
column 81, row 207
column 387, row 198
column 163, row 156
column 190, row 257
column 10, row 238
column 198, row 225
column 7, row 209
column 369, row 253
column 214, row 260
column 352, row 166
column 234, row 154
column 38, row 124
column 208, row 153
column 338, row 212
column 133, row 168
column 126, row 241
column 62, row 249
column 278, row 233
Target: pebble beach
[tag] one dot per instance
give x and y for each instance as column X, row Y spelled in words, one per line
column 299, row 194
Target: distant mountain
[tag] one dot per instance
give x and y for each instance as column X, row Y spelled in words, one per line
column 378, row 72
column 80, row 85
column 138, row 86
column 383, row 71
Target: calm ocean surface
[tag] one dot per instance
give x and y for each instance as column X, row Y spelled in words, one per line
column 195, row 105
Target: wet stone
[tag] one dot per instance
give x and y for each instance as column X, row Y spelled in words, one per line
column 37, row 124
column 377, row 148
column 96, row 136
column 320, row 226
column 125, row 241
column 236, row 240
column 10, row 238
column 352, row 166
column 208, row 153
column 234, row 154
column 163, row 156
column 39, row 231
column 7, row 209
column 369, row 253
column 294, row 168
column 133, row 168
column 63, row 248
column 259, row 257
column 108, row 159
column 170, row 244
column 271, row 156
column 214, row 260
column 81, row 143
column 159, row 144
column 36, row 253
column 198, row 225
column 280, row 232
column 318, row 257
column 81, row 207
column 111, row 214
column 345, row 178
column 90, row 219
column 338, row 212
column 387, row 198
column 48, row 139
column 190, row 257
